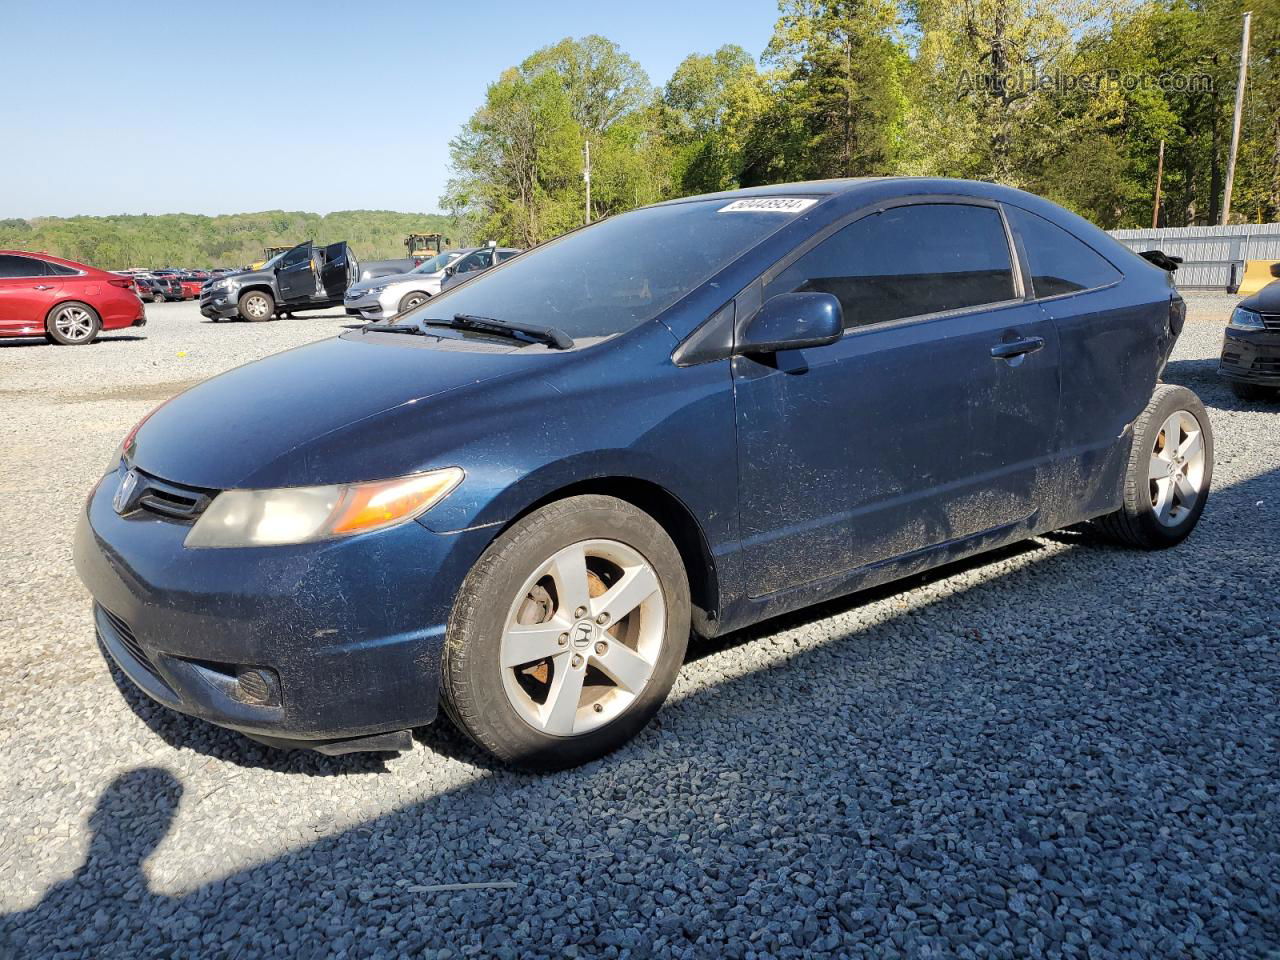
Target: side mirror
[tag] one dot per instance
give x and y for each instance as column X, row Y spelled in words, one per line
column 1275, row 270
column 450, row 270
column 792, row 321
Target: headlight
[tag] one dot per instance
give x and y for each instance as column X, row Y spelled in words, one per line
column 1242, row 319
column 373, row 291
column 251, row 518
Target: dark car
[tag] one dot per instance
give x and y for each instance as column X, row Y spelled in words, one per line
column 167, row 285
column 475, row 263
column 305, row 277
column 1251, row 347
column 520, row 499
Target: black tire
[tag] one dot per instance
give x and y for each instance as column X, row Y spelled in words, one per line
column 79, row 322
column 472, row 679
column 1253, row 391
column 256, row 306
column 413, row 298
column 1136, row 523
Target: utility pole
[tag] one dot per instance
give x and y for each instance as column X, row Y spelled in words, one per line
column 1155, row 211
column 1235, row 123
column 586, row 176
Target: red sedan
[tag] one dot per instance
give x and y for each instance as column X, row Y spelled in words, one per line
column 191, row 284
column 63, row 301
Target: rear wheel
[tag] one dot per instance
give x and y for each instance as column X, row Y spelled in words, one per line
column 1170, row 469
column 414, row 299
column 567, row 634
column 73, row 323
column 256, row 305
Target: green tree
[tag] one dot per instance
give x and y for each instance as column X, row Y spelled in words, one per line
column 709, row 108
column 840, row 99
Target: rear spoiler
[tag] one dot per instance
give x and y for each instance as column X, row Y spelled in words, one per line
column 1161, row 259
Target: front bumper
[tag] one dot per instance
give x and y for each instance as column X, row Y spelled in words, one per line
column 220, row 305
column 369, row 308
column 1251, row 356
column 352, row 628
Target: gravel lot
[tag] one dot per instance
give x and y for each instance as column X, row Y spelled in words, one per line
column 1063, row 750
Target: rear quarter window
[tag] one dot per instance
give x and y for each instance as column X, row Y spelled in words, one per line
column 1059, row 263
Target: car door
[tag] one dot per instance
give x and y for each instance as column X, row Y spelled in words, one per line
column 295, row 278
column 338, row 270
column 930, row 421
column 1111, row 352
column 27, row 293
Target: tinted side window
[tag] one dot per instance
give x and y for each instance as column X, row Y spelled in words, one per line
column 11, row 266
column 296, row 256
column 474, row 261
column 58, row 270
column 908, row 261
column 504, row 255
column 1059, row 262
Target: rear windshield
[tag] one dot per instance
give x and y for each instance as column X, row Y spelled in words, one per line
column 609, row 277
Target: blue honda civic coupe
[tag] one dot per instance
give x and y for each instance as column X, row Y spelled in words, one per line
column 518, row 500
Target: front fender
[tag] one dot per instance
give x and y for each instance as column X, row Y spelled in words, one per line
column 491, row 495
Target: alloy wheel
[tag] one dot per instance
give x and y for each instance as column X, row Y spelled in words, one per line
column 1176, row 473
column 582, row 637
column 256, row 307
column 74, row 323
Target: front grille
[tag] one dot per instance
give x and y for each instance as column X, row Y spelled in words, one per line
column 1271, row 321
column 1268, row 365
column 170, row 499
column 139, row 490
column 127, row 640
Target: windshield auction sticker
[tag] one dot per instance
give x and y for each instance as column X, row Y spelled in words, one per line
column 769, row 205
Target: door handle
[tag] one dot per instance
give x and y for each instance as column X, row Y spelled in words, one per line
column 43, row 286
column 1016, row 348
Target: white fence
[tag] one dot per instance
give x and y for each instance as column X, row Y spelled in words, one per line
column 1213, row 257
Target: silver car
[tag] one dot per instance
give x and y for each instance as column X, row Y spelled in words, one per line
column 383, row 297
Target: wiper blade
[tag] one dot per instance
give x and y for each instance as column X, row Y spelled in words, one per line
column 393, row 328
column 552, row 336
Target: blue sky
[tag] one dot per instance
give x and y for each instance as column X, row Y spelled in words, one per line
column 220, row 108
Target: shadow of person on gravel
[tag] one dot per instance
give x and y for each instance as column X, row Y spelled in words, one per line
column 109, row 891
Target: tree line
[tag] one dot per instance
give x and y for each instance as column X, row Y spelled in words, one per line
column 1067, row 98
column 189, row 240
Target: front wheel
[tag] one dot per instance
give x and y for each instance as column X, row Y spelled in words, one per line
column 410, row 300
column 567, row 634
column 257, row 306
column 1169, row 472
column 72, row 324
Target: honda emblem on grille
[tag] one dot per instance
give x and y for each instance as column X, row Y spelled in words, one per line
column 123, row 500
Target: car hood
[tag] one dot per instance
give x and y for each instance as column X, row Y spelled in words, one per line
column 296, row 418
column 1266, row 300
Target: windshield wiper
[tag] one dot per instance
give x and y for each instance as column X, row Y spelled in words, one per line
column 552, row 336
column 393, row 328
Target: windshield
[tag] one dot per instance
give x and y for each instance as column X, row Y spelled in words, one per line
column 436, row 263
column 609, row 277
column 273, row 261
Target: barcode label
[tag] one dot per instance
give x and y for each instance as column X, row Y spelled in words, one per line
column 769, row 205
